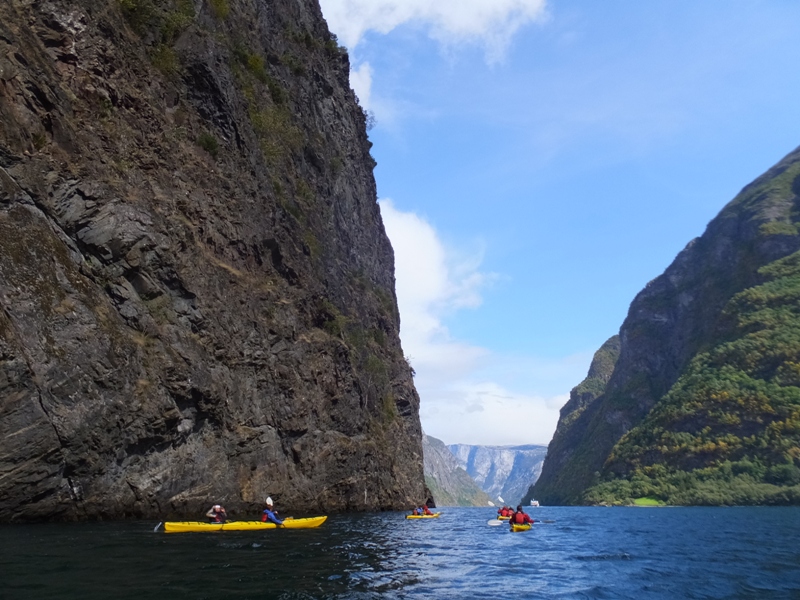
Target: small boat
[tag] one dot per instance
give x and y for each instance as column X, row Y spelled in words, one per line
column 522, row 527
column 184, row 526
column 534, row 503
column 433, row 516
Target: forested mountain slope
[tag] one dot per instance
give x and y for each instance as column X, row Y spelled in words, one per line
column 196, row 290
column 707, row 383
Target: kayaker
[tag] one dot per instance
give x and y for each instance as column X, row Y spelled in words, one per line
column 269, row 514
column 217, row 514
column 426, row 510
column 415, row 512
column 520, row 518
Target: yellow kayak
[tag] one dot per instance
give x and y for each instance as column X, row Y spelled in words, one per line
column 433, row 516
column 523, row 527
column 183, row 526
column 499, row 518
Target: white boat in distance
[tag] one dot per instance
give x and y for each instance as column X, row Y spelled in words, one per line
column 534, row 503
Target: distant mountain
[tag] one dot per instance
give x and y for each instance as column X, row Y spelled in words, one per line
column 505, row 471
column 448, row 482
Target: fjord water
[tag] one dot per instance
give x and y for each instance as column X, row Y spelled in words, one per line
column 577, row 553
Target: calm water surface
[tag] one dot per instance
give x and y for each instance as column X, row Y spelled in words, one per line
column 610, row 553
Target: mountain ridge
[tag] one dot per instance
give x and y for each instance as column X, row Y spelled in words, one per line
column 676, row 320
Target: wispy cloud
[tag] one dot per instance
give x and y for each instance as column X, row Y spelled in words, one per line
column 432, row 281
column 487, row 413
column 361, row 82
column 490, row 23
column 468, row 393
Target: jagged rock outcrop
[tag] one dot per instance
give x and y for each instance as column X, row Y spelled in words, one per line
column 501, row 471
column 196, row 289
column 715, row 319
column 450, row 484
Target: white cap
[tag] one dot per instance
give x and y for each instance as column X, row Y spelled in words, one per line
column 269, row 500
column 217, row 507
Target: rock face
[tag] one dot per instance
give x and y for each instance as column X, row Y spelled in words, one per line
column 449, row 483
column 569, row 430
column 504, row 471
column 197, row 291
column 715, row 317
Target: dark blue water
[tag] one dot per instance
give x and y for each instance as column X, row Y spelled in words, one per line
column 610, row 553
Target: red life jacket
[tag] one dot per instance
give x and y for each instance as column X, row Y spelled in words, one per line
column 520, row 518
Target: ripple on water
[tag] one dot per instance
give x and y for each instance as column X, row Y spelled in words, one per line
column 584, row 553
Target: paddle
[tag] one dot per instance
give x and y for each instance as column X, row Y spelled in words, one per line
column 494, row 522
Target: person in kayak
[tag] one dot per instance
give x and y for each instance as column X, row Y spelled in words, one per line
column 269, row 514
column 217, row 514
column 519, row 517
column 426, row 510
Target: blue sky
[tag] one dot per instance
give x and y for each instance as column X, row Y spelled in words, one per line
column 540, row 161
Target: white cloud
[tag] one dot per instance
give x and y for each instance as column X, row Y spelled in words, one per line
column 458, row 382
column 432, row 281
column 361, row 82
column 491, row 23
column 487, row 413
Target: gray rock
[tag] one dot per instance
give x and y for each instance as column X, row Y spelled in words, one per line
column 196, row 290
column 501, row 471
column 448, row 481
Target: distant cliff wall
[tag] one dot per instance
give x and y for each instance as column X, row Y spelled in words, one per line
column 196, row 290
column 448, row 481
column 504, row 471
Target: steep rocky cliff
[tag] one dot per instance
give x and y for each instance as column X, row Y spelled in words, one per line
column 707, row 380
column 197, row 291
column 570, row 429
column 501, row 471
column 448, row 481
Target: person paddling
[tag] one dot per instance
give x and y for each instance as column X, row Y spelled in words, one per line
column 426, row 510
column 217, row 514
column 269, row 514
column 520, row 518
